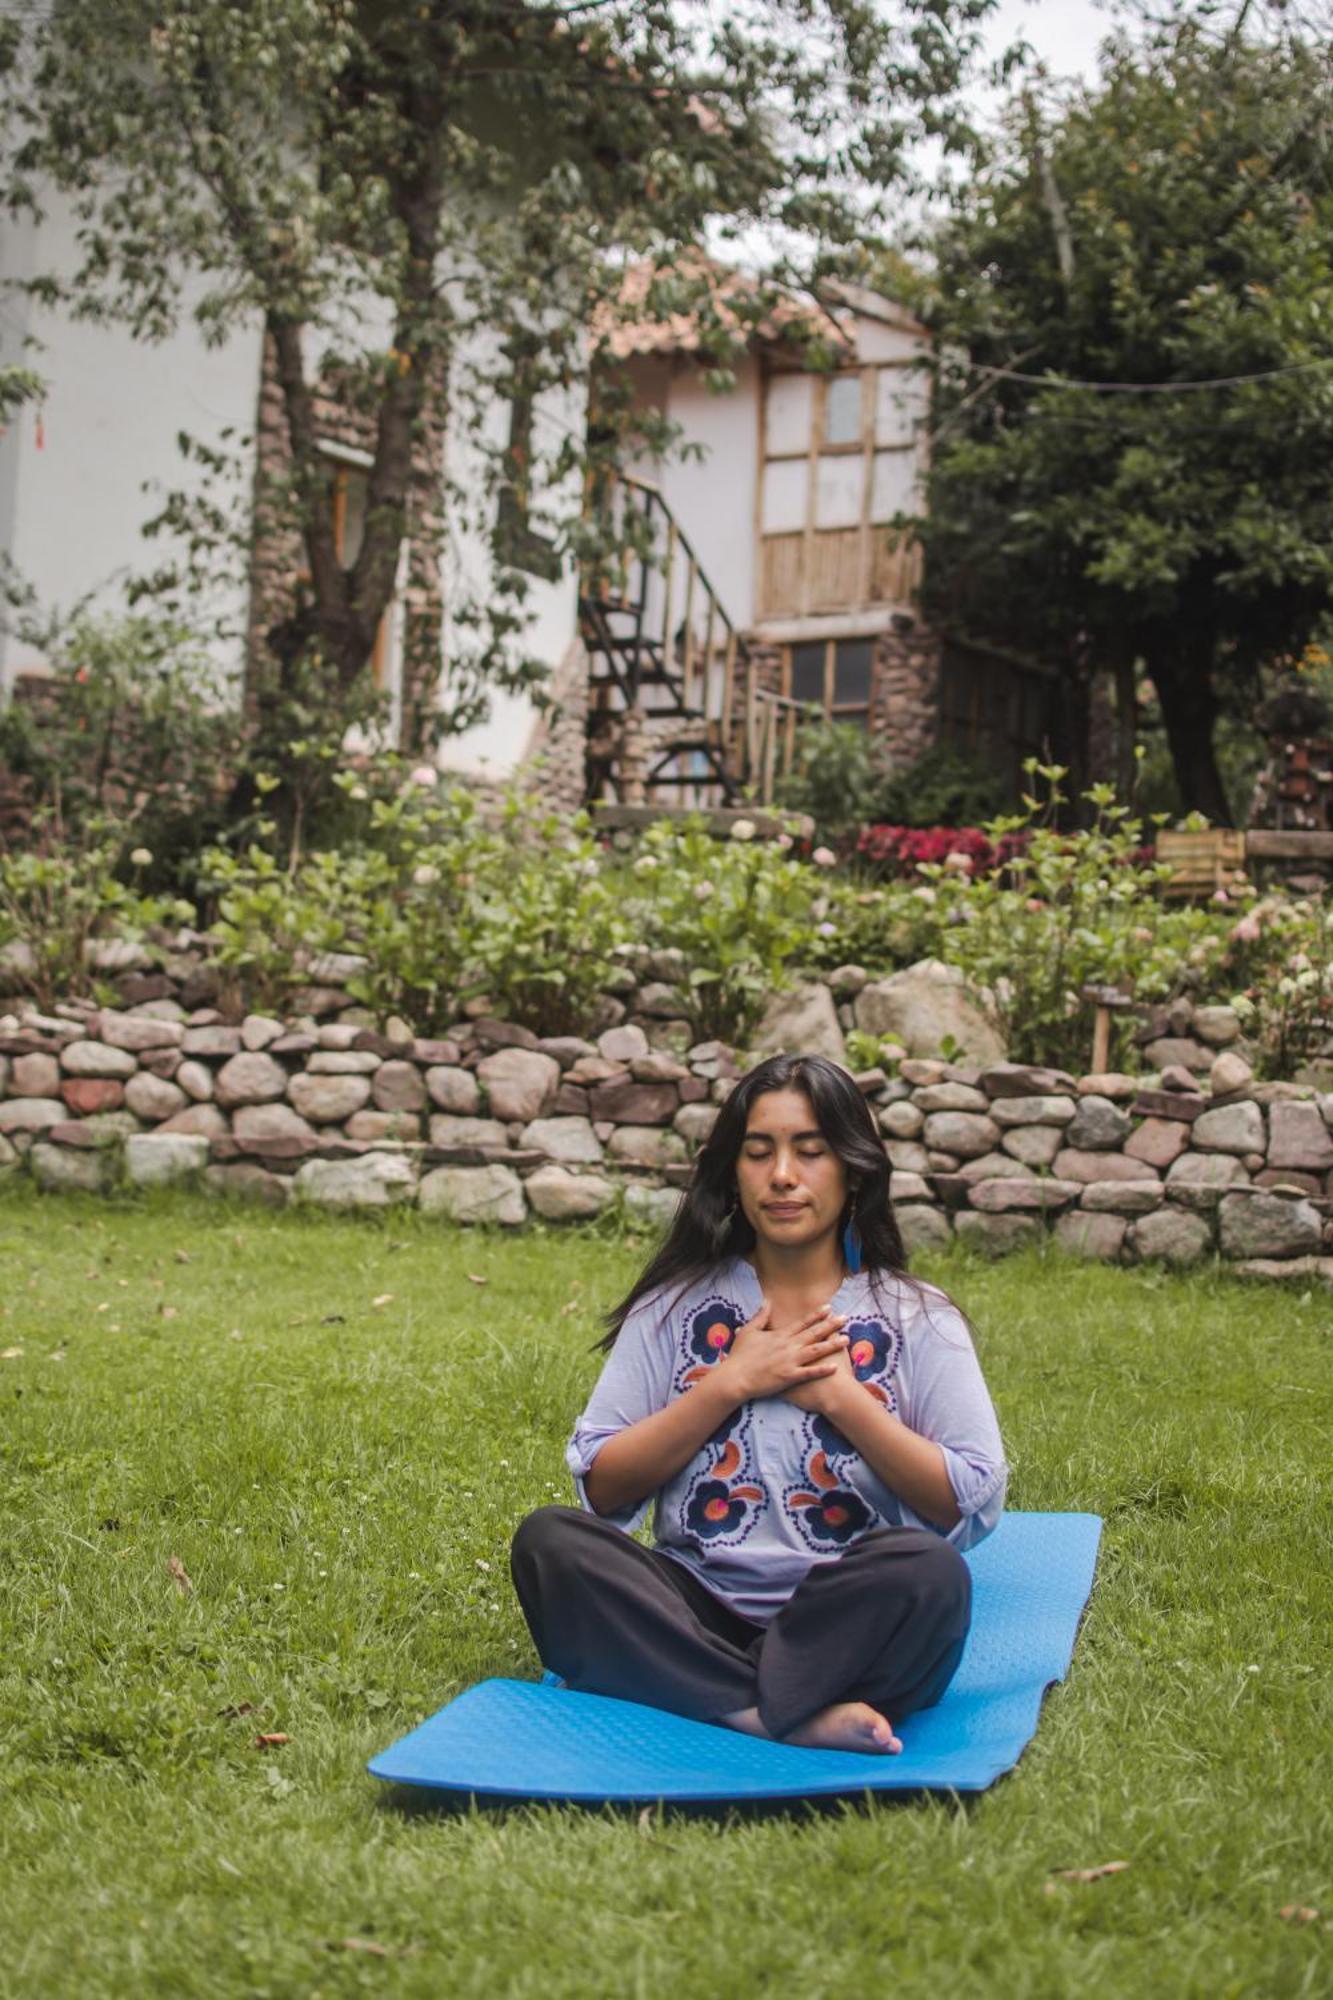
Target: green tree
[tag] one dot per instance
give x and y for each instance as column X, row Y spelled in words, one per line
column 1091, row 505
column 379, row 179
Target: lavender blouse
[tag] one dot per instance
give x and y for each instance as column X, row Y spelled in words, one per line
column 776, row 1488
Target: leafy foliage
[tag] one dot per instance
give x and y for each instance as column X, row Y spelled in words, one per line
column 742, row 911
column 1283, row 947
column 1067, row 909
column 942, row 788
column 442, row 905
column 62, row 893
column 431, row 204
column 901, row 850
column 132, row 726
column 837, row 776
column 1172, row 225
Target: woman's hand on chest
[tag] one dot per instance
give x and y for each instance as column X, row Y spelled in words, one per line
column 828, row 1394
column 764, row 1360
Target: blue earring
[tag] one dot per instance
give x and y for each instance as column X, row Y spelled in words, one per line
column 851, row 1247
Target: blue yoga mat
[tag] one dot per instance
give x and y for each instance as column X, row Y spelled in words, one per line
column 538, row 1740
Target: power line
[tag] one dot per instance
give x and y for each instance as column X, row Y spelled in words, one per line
column 1050, row 381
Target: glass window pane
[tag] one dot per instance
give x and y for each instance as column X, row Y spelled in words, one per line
column 838, row 486
column 894, row 487
column 786, row 482
column 807, row 673
column 851, row 673
column 902, row 404
column 789, row 413
column 842, row 410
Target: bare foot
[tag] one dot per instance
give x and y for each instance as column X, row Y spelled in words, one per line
column 847, row 1725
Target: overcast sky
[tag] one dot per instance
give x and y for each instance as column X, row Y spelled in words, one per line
column 1064, row 33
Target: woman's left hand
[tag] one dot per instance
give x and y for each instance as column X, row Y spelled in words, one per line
column 826, row 1394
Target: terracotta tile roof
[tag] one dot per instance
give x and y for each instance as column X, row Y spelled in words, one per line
column 622, row 327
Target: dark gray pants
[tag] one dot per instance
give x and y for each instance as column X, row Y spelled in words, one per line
column 885, row 1624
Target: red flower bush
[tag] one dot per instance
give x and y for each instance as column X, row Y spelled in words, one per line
column 901, row 850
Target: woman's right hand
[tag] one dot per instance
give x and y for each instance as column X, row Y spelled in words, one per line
column 765, row 1361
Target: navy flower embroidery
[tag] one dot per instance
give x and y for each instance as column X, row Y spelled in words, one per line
column 835, row 1517
column 871, row 1348
column 828, row 1438
column 717, row 1506
column 711, row 1328
column 713, row 1509
column 828, row 1513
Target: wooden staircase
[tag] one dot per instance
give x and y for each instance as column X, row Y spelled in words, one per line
column 676, row 713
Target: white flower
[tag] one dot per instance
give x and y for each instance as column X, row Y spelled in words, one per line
column 743, row 829
column 357, row 792
column 702, row 891
column 645, row 865
column 824, row 857
column 827, row 930
column 425, row 875
column 924, row 895
column 424, row 774
column 140, row 857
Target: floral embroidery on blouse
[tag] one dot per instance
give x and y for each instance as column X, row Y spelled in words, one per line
column 725, row 1500
column 829, row 1514
column 706, row 1335
column 827, row 1510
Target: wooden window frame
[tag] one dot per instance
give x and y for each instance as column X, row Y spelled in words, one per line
column 829, row 711
column 866, row 551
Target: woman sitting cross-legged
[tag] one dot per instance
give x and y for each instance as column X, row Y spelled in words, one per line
column 814, row 1429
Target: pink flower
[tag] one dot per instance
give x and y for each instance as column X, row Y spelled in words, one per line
column 824, row 857
column 1247, row 931
column 424, row 774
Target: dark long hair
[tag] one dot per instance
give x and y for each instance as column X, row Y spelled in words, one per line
column 710, row 1225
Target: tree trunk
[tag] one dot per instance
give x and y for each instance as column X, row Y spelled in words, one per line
column 1070, row 730
column 1189, row 711
column 1126, row 727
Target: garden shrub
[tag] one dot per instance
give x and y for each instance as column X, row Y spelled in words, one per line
column 1066, row 909
column 742, row 911
column 270, row 919
column 1283, row 947
column 901, row 850
column 1073, row 909
column 942, row 788
column 62, row 892
column 132, row 727
column 544, row 920
column 442, row 905
column 837, row 773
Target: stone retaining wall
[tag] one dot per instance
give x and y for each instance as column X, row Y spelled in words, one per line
column 491, row 1123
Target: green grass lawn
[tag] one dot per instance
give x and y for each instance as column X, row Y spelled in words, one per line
column 334, row 1431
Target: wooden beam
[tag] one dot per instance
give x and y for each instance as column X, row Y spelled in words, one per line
column 728, row 686
column 687, row 664
column 668, row 647
column 1270, row 844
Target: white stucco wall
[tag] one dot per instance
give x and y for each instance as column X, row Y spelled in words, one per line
column 77, row 485
column 713, row 495
column 495, row 747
